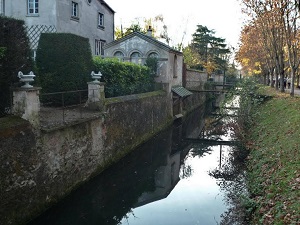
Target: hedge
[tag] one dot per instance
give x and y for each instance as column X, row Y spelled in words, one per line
column 123, row 78
column 15, row 55
column 64, row 62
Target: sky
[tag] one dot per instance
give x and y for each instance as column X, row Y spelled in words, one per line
column 222, row 16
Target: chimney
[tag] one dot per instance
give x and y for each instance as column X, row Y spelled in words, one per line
column 149, row 31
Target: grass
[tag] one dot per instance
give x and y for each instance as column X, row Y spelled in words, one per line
column 274, row 160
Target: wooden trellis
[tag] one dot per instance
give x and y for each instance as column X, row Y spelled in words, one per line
column 34, row 33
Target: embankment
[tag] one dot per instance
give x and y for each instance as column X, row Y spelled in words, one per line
column 274, row 161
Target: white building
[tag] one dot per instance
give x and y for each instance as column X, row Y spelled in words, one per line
column 93, row 19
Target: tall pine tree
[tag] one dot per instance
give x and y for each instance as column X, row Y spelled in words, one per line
column 212, row 50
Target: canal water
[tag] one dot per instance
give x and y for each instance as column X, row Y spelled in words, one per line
column 175, row 178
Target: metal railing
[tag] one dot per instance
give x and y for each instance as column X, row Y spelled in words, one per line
column 60, row 108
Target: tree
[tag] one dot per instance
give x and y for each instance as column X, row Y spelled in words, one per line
column 251, row 53
column 289, row 15
column 135, row 27
column 157, row 24
column 276, row 20
column 191, row 57
column 119, row 33
column 212, row 50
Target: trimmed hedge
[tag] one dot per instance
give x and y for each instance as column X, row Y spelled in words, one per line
column 64, row 62
column 14, row 56
column 123, row 78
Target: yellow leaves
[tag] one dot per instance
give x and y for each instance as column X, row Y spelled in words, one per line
column 191, row 57
column 256, row 72
column 245, row 61
column 257, row 64
column 210, row 67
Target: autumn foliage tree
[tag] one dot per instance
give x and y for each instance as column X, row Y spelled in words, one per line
column 276, row 22
column 253, row 53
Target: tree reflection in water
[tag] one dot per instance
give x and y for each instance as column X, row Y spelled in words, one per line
column 186, row 171
column 230, row 177
column 230, row 174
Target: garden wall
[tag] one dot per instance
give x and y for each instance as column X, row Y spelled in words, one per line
column 195, row 78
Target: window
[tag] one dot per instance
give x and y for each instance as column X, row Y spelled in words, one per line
column 100, row 20
column 119, row 55
column 33, row 6
column 2, row 7
column 152, row 63
column 75, row 9
column 153, row 55
column 175, row 67
column 135, row 57
column 99, row 44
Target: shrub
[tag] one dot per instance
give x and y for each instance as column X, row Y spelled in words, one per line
column 123, row 78
column 14, row 56
column 64, row 62
column 152, row 64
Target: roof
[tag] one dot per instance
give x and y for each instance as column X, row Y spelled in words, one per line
column 105, row 4
column 145, row 37
column 181, row 91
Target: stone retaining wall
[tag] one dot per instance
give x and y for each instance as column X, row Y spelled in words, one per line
column 38, row 167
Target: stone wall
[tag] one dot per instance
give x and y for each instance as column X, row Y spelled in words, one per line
column 38, row 168
column 195, row 78
column 19, row 164
column 218, row 78
column 194, row 101
column 138, row 120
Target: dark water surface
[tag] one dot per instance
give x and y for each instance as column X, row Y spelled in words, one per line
column 167, row 180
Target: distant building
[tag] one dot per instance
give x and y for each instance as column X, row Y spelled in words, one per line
column 137, row 47
column 93, row 19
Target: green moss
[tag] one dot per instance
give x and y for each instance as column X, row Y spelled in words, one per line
column 11, row 125
column 132, row 97
column 11, row 121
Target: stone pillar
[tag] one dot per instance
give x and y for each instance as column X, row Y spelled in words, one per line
column 26, row 104
column 96, row 95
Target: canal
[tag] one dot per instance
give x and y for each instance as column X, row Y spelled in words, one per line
column 179, row 177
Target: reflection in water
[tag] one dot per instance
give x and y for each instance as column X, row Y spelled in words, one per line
column 231, row 175
column 164, row 181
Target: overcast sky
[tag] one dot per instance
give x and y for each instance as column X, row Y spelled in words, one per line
column 223, row 16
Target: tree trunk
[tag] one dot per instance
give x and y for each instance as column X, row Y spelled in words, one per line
column 292, row 81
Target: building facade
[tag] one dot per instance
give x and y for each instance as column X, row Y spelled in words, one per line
column 137, row 47
column 93, row 19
